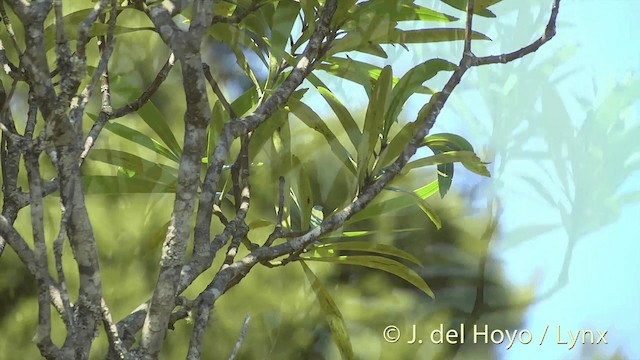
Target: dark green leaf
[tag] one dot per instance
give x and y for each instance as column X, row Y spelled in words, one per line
column 124, row 185
column 331, row 314
column 152, row 116
column 310, row 118
column 374, row 121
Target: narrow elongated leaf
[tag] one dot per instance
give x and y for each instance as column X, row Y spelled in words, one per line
column 283, row 19
column 358, row 40
column 315, row 122
column 331, row 314
column 449, row 148
column 71, row 22
column 381, row 263
column 447, row 141
column 303, row 193
column 141, row 139
column 343, row 114
column 152, row 116
column 351, row 234
column 479, row 8
column 140, row 167
column 124, row 185
column 409, row 84
column 422, row 204
column 367, row 246
column 360, row 73
column 374, row 121
column 399, row 10
column 390, row 206
column 468, row 158
column 400, row 141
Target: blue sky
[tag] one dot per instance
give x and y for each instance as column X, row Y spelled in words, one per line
column 596, row 42
column 602, row 292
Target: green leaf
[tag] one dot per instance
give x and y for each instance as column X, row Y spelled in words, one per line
column 447, row 141
column 283, row 19
column 468, row 158
column 400, row 141
column 140, row 139
column 392, row 205
column 97, row 184
column 139, row 166
column 72, row 21
column 304, row 196
column 331, row 314
column 449, row 148
column 360, row 233
column 422, row 204
column 359, row 72
column 359, row 40
column 310, row 118
column 479, row 8
column 373, row 121
column 381, row 263
column 214, row 130
column 343, row 114
column 152, row 116
column 409, row 84
column 399, row 10
column 367, row 246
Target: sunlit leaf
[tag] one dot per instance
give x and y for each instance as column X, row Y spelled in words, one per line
column 381, row 263
column 409, row 84
column 422, row 204
column 367, row 246
column 393, row 205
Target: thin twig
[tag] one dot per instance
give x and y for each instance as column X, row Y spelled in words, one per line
column 243, row 333
column 58, row 246
column 468, row 28
column 216, row 90
column 128, row 108
column 232, row 274
column 43, row 332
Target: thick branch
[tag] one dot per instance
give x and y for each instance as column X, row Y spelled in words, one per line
column 196, row 118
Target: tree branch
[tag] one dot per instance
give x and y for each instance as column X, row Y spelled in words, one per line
column 232, row 274
column 43, row 332
column 197, row 117
column 238, row 127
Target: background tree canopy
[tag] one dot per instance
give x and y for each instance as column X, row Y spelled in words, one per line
column 128, row 125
